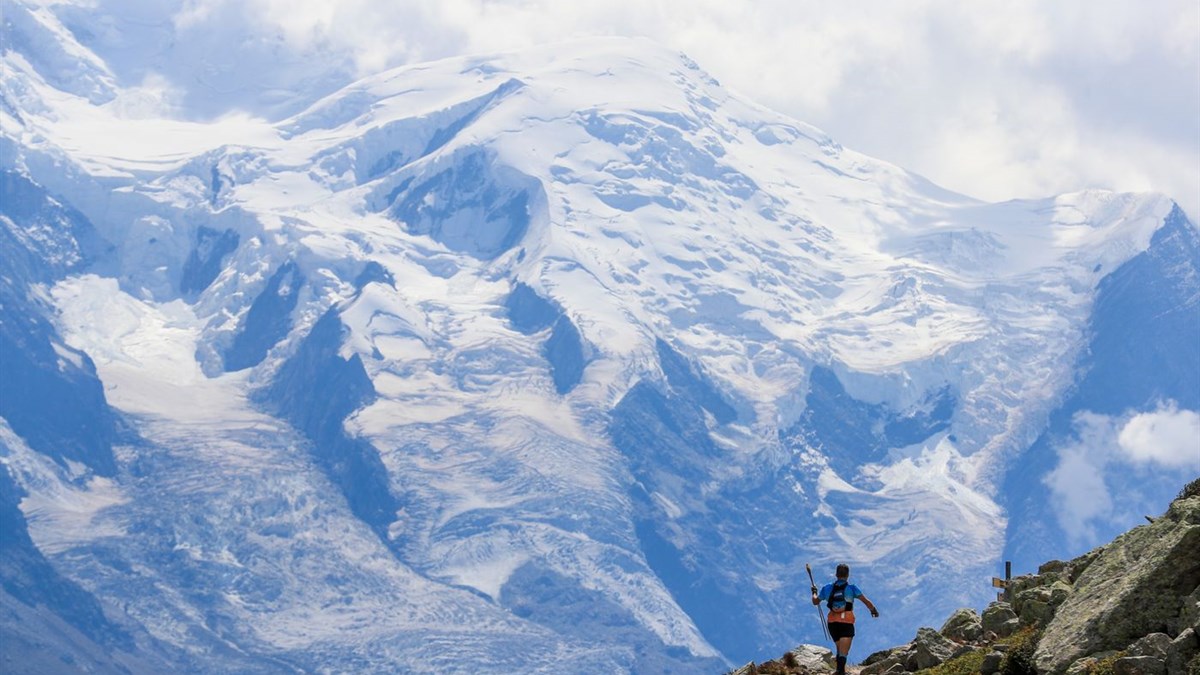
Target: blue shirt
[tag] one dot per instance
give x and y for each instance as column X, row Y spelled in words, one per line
column 852, row 593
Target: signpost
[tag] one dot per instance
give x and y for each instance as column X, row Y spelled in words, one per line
column 997, row 582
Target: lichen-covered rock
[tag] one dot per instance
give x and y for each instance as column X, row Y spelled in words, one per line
column 963, row 650
column 813, row 658
column 884, row 668
column 894, row 660
column 1000, row 619
column 1018, row 586
column 884, row 654
column 1036, row 594
column 963, row 625
column 1139, row 665
column 1189, row 612
column 1083, row 666
column 1182, row 650
column 991, row 663
column 1055, row 566
column 1076, row 567
column 1037, row 612
column 931, row 648
column 1130, row 589
column 1059, row 592
column 1154, row 644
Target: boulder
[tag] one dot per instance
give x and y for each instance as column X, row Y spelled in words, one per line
column 1139, row 665
column 1154, row 644
column 963, row 650
column 963, row 625
column 1037, row 612
column 884, row 668
column 814, row 659
column 931, row 648
column 1059, row 592
column 1189, row 612
column 889, row 661
column 1181, row 651
column 1055, row 566
column 1033, row 607
column 1118, row 597
column 885, row 654
column 1019, row 585
column 991, row 663
column 999, row 618
column 1048, row 576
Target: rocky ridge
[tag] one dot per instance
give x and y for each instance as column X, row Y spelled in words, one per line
column 1130, row 607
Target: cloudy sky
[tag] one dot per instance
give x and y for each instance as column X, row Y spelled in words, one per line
column 1114, row 469
column 994, row 98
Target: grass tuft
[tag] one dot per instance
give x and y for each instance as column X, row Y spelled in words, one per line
column 1018, row 660
column 1105, row 666
column 1192, row 489
column 967, row 664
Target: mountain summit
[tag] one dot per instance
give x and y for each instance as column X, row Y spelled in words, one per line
column 561, row 356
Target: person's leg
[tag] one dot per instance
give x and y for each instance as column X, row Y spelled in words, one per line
column 843, row 651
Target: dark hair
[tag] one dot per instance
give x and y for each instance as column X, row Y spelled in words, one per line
column 843, row 571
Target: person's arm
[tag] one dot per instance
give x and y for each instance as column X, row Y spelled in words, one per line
column 870, row 605
column 815, row 598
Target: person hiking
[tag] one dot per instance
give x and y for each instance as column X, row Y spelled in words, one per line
column 839, row 597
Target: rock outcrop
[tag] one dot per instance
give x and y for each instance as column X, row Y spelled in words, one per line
column 1131, row 607
column 929, row 649
column 1142, row 586
column 965, row 625
column 813, row 658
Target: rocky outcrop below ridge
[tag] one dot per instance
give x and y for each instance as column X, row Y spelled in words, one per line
column 1140, row 595
column 1131, row 607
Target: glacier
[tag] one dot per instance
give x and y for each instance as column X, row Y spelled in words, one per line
column 566, row 355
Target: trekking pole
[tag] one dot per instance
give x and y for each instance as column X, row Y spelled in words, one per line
column 820, row 613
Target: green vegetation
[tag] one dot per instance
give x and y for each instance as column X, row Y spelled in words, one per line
column 1192, row 489
column 1105, row 665
column 1018, row 660
column 967, row 664
column 1193, row 666
column 773, row 668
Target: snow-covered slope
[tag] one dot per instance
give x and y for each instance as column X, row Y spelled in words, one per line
column 560, row 355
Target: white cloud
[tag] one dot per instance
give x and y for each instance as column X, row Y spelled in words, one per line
column 998, row 99
column 1168, row 436
column 154, row 98
column 1077, row 486
column 995, row 98
column 1112, row 466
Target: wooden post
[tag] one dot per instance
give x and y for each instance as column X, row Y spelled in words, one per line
column 1004, row 583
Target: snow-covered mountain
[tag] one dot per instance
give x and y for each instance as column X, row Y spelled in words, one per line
column 561, row 356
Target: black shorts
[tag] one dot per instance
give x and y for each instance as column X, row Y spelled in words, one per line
column 840, row 629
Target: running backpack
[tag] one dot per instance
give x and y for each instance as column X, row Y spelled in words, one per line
column 837, row 596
